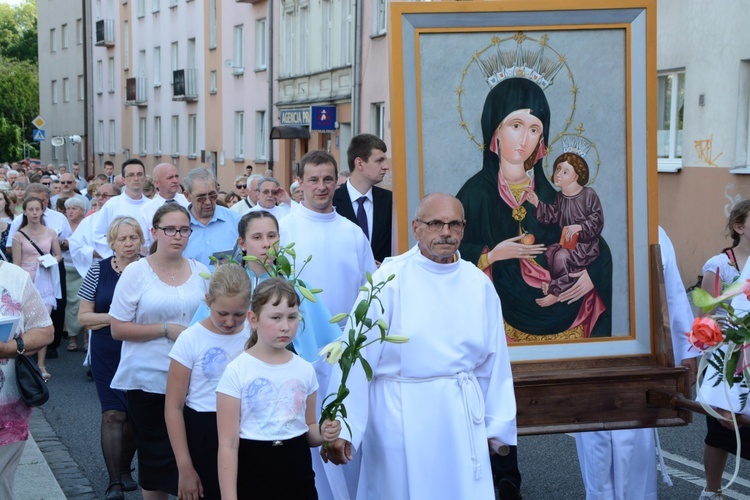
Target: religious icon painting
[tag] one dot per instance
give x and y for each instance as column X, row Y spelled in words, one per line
column 537, row 119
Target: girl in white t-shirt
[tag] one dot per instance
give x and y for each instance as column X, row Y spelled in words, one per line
column 199, row 357
column 266, row 406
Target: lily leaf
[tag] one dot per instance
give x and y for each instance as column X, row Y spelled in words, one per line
column 369, row 278
column 366, row 366
column 360, row 311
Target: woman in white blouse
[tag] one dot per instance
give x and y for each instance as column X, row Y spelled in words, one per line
column 153, row 303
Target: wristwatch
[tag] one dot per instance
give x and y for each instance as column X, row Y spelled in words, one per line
column 20, row 349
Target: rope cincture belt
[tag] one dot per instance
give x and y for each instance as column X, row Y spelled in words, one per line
column 473, row 402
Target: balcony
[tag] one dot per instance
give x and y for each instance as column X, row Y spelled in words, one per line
column 184, row 85
column 105, row 33
column 135, row 92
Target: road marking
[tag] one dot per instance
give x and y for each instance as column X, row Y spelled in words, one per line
column 699, row 467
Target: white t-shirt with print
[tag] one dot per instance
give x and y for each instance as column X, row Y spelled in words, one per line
column 272, row 397
column 207, row 355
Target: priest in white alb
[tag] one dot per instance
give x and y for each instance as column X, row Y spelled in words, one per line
column 439, row 404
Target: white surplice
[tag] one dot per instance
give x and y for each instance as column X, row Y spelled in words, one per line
column 424, row 422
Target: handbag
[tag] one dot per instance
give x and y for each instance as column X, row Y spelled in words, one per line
column 31, row 386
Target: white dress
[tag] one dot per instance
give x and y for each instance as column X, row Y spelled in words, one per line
column 448, row 390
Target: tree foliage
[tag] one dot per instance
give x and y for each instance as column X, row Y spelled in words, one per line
column 19, row 78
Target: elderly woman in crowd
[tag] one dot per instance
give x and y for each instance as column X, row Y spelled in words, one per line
column 152, row 304
column 20, row 300
column 118, row 446
column 75, row 209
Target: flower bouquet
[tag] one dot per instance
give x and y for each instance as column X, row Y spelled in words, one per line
column 348, row 351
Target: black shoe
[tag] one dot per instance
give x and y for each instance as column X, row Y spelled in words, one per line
column 506, row 490
column 114, row 491
column 52, row 353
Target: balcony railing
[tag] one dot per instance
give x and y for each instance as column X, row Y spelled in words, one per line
column 105, row 32
column 184, row 85
column 135, row 92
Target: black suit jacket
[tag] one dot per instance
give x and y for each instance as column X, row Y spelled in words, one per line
column 382, row 215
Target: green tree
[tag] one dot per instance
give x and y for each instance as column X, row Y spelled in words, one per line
column 19, row 104
column 18, row 31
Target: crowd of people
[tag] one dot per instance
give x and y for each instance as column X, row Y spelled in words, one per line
column 204, row 351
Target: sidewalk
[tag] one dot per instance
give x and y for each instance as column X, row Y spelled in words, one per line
column 34, row 478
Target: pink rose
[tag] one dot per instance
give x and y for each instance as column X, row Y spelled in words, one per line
column 705, row 333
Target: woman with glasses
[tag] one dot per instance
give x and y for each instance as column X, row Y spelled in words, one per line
column 153, row 303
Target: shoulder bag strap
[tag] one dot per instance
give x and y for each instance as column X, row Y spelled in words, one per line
column 32, row 242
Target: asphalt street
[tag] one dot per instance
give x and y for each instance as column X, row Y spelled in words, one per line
column 549, row 464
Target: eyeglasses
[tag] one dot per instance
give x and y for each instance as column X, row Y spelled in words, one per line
column 270, row 191
column 204, row 197
column 172, row 231
column 241, row 186
column 66, row 182
column 46, row 183
column 104, row 195
column 456, row 226
column 137, row 175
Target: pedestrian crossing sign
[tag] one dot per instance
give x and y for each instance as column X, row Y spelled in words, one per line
column 39, row 135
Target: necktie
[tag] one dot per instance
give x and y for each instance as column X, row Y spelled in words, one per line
column 169, row 201
column 362, row 216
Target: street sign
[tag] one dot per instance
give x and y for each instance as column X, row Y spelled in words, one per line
column 39, row 135
column 323, row 118
column 39, row 122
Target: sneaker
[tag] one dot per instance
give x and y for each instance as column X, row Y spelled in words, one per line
column 711, row 495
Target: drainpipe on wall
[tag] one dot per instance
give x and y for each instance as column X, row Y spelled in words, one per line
column 269, row 113
column 356, row 68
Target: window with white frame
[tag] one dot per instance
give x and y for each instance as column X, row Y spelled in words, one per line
column 175, row 135
column 174, row 59
column 81, row 88
column 191, row 53
column 261, row 55
column 66, row 89
column 53, row 40
column 304, row 39
column 213, row 82
column 79, row 31
column 192, row 135
column 260, row 135
column 142, row 137
column 212, row 24
column 289, row 38
column 100, row 137
column 157, row 136
column 377, row 119
column 155, row 6
column 379, row 17
column 99, row 77
column 172, row 4
column 326, row 32
column 142, row 63
column 346, row 32
column 238, row 58
column 112, row 137
column 111, row 74
column 54, row 92
column 156, row 74
column 125, row 46
column 64, row 36
column 670, row 109
column 239, row 135
column 140, row 8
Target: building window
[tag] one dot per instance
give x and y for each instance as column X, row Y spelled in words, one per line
column 157, row 67
column 213, row 82
column 53, row 40
column 141, row 8
column 100, row 137
column 377, row 119
column 175, row 135
column 346, row 32
column 155, row 6
column 142, row 136
column 325, row 32
column 260, row 135
column 172, row 4
column 99, row 77
column 79, row 31
column 261, row 55
column 125, row 46
column 238, row 60
column 239, row 135
column 81, row 88
column 192, row 135
column 157, row 136
column 671, row 106
column 54, row 91
column 289, row 37
column 212, row 24
column 304, row 39
column 379, row 17
column 174, row 59
column 111, row 74
column 112, row 138
column 66, row 90
column 64, row 36
column 142, row 70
